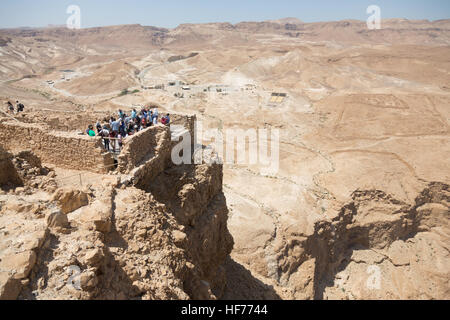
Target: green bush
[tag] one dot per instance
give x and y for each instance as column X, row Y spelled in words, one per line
column 125, row 92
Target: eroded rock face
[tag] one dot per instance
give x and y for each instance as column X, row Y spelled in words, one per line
column 9, row 287
column 193, row 195
column 374, row 247
column 22, row 235
column 140, row 256
column 9, row 178
column 70, row 200
column 57, row 219
column 23, row 170
column 23, row 227
column 109, row 241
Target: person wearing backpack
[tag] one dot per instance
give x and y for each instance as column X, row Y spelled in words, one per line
column 99, row 127
column 105, row 135
column 10, row 107
column 19, row 106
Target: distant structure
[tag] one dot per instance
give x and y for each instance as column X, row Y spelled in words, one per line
column 154, row 87
column 176, row 83
column 277, row 98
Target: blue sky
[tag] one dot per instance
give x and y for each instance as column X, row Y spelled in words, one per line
column 170, row 13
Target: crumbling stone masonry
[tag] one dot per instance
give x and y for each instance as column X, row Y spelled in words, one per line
column 63, row 149
column 8, row 174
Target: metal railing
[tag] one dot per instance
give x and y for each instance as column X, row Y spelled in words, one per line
column 70, row 181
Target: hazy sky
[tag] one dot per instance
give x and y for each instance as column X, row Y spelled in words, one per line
column 170, row 13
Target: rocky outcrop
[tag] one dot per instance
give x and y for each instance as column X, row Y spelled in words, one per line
column 70, row 199
column 142, row 254
column 9, row 177
column 23, row 232
column 193, row 195
column 167, row 239
column 23, row 170
column 373, row 235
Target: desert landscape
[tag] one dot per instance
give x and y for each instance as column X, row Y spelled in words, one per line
column 358, row 207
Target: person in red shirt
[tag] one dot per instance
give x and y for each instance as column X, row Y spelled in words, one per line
column 166, row 120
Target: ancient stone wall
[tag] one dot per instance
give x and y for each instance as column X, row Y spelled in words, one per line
column 148, row 153
column 193, row 195
column 187, row 121
column 63, row 120
column 144, row 146
column 62, row 149
column 8, row 174
column 186, row 201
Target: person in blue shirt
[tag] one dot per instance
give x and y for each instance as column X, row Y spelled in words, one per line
column 122, row 128
column 115, row 125
column 155, row 116
column 150, row 118
column 133, row 114
column 165, row 120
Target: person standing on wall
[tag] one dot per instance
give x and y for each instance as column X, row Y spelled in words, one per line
column 155, row 116
column 105, row 135
column 115, row 127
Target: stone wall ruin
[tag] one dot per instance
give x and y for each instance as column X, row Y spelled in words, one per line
column 62, row 149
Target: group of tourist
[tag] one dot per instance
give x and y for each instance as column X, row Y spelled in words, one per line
column 116, row 129
column 19, row 107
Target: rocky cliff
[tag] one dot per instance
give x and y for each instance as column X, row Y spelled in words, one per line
column 116, row 238
column 373, row 247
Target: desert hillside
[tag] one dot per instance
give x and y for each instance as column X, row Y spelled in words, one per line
column 361, row 185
